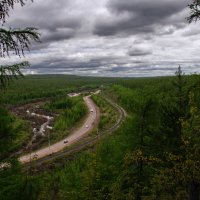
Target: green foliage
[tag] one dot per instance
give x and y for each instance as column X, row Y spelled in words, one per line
column 194, row 11
column 154, row 154
column 15, row 184
column 8, row 72
column 74, row 110
column 12, row 133
column 7, row 5
column 108, row 114
column 6, row 133
column 47, row 86
column 136, row 163
column 91, row 174
column 15, row 41
column 70, row 110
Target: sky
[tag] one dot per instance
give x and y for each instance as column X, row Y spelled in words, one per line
column 121, row 38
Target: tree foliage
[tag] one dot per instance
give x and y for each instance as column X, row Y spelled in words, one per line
column 14, row 41
column 195, row 11
column 7, row 5
column 154, row 155
column 9, row 71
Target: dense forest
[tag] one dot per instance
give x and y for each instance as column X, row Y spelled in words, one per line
column 153, row 155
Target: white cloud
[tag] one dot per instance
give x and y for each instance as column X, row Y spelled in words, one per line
column 100, row 37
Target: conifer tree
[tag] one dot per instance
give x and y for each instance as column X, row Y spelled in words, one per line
column 195, row 11
column 13, row 41
column 173, row 110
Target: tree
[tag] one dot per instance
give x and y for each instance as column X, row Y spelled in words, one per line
column 6, row 132
column 14, row 41
column 195, row 11
column 173, row 109
column 179, row 177
column 191, row 149
column 133, row 182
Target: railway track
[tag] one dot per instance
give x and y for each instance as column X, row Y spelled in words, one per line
column 88, row 143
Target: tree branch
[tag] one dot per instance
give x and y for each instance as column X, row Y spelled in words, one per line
column 10, row 72
column 17, row 40
column 7, row 5
column 195, row 11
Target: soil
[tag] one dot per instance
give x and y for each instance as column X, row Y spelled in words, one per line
column 24, row 112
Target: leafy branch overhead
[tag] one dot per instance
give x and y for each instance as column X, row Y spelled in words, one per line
column 195, row 11
column 14, row 41
column 7, row 5
column 8, row 72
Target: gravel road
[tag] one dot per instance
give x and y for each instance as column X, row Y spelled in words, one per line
column 87, row 126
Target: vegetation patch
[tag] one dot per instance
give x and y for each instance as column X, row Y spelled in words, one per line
column 108, row 114
column 70, row 112
column 13, row 133
column 153, row 155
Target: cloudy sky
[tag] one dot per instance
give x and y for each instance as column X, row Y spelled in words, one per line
column 110, row 37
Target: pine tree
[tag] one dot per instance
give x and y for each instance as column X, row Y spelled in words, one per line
column 195, row 11
column 13, row 41
column 179, row 177
column 173, row 110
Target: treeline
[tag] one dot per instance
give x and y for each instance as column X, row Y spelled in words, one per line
column 44, row 86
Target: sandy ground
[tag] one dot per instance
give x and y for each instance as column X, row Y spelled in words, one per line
column 87, row 126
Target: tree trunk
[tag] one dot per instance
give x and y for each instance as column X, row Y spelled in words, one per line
column 193, row 191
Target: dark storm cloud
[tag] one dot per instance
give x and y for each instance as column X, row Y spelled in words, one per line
column 49, row 36
column 146, row 37
column 140, row 16
column 58, row 34
column 54, row 23
column 152, row 9
column 62, row 63
column 139, row 51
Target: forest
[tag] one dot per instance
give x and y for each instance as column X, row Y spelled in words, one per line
column 153, row 155
column 144, row 136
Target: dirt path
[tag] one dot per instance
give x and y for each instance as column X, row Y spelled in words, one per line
column 87, row 126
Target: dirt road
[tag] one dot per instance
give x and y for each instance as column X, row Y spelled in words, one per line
column 87, row 126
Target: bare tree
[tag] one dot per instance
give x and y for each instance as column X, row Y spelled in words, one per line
column 13, row 41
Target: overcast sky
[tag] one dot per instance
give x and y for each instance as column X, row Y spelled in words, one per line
column 110, row 37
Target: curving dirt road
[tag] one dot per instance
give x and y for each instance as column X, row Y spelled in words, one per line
column 89, row 143
column 87, row 126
